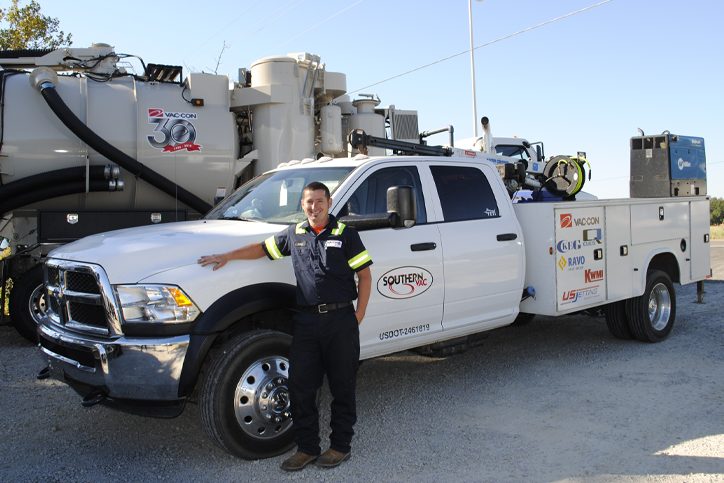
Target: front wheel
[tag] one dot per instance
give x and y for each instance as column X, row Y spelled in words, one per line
column 244, row 399
column 651, row 316
column 27, row 303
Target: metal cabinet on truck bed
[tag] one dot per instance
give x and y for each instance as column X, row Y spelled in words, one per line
column 587, row 253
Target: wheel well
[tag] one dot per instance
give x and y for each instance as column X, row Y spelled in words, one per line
column 267, row 308
column 666, row 262
column 275, row 319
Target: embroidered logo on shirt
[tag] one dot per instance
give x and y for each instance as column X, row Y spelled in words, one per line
column 300, row 244
column 333, row 244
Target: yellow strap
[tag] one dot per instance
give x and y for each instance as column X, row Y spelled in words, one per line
column 272, row 248
column 359, row 260
column 299, row 230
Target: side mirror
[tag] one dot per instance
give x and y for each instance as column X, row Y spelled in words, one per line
column 401, row 212
column 401, row 206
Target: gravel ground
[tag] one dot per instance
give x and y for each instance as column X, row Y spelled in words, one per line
column 557, row 400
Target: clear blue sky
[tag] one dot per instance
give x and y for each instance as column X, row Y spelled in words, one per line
column 582, row 83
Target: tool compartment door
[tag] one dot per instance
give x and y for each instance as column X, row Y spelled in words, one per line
column 700, row 247
column 580, row 261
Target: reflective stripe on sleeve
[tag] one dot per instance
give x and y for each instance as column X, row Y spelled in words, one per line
column 272, row 248
column 359, row 260
column 340, row 228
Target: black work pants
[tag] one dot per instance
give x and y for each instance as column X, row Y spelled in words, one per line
column 324, row 344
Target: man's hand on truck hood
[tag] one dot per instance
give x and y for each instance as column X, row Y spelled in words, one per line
column 133, row 254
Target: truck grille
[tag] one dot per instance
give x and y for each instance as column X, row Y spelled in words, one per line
column 80, row 298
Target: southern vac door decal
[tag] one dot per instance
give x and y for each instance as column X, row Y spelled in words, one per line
column 404, row 282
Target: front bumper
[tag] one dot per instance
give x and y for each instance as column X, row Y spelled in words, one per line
column 141, row 368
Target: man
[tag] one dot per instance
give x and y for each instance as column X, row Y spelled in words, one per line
column 326, row 254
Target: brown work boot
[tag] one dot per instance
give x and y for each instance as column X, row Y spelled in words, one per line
column 332, row 458
column 297, row 461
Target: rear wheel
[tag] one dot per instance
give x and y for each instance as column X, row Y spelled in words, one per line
column 652, row 315
column 244, row 399
column 617, row 320
column 27, row 303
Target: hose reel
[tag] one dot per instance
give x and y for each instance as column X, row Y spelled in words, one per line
column 566, row 175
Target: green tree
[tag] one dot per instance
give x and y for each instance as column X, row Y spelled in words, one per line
column 27, row 28
column 717, row 211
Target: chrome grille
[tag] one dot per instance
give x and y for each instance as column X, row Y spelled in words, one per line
column 81, row 282
column 88, row 314
column 80, row 298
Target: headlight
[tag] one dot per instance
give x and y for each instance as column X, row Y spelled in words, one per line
column 155, row 303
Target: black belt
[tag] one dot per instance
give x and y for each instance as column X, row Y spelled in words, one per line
column 323, row 308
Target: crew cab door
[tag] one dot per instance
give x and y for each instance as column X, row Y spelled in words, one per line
column 407, row 279
column 482, row 244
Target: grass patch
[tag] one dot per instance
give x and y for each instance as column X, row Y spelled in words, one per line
column 717, row 232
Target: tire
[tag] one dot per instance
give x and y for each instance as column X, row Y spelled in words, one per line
column 617, row 320
column 523, row 319
column 244, row 399
column 27, row 303
column 651, row 316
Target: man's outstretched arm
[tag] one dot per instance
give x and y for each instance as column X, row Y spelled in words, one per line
column 249, row 252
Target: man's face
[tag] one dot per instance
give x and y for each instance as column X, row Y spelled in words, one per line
column 316, row 206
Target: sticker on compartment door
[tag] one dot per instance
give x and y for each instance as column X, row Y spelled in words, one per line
column 404, row 282
column 579, row 264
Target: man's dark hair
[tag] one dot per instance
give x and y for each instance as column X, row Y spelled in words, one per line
column 316, row 185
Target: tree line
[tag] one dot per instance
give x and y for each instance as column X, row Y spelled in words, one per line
column 717, row 211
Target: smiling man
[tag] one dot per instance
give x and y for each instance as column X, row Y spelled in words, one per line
column 326, row 255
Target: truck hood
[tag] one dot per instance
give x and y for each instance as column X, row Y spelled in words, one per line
column 133, row 254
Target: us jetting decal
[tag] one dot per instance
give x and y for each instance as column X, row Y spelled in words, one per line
column 404, row 282
column 173, row 131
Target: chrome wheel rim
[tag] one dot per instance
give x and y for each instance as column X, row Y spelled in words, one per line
column 261, row 398
column 659, row 306
column 36, row 303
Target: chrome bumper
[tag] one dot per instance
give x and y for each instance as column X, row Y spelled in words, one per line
column 123, row 368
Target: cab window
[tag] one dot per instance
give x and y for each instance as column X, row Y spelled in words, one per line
column 465, row 193
column 371, row 196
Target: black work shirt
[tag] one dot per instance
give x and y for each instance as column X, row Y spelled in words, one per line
column 324, row 264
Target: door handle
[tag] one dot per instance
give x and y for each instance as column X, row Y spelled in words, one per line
column 419, row 247
column 507, row 236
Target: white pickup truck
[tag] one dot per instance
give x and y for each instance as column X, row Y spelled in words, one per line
column 133, row 320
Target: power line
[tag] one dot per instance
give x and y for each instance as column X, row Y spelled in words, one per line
column 505, row 37
column 323, row 21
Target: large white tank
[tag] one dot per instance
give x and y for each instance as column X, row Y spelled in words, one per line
column 367, row 120
column 283, row 130
column 330, row 130
column 152, row 122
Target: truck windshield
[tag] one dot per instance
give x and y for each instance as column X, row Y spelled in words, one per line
column 512, row 150
column 276, row 197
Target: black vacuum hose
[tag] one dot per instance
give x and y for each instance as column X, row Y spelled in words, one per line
column 53, row 191
column 85, row 134
column 38, row 181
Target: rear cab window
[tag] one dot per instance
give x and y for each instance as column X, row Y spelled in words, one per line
column 464, row 193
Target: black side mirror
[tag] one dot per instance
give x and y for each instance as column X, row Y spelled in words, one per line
column 401, row 212
column 401, row 206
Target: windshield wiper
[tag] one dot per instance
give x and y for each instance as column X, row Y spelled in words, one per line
column 241, row 218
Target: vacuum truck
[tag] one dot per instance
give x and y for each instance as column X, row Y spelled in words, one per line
column 88, row 146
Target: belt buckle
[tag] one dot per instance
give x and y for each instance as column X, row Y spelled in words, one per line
column 322, row 308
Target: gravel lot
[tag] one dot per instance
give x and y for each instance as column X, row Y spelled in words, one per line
column 557, row 400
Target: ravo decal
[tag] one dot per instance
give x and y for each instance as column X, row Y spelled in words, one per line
column 404, row 282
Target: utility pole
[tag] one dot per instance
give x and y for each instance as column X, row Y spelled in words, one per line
column 472, row 67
